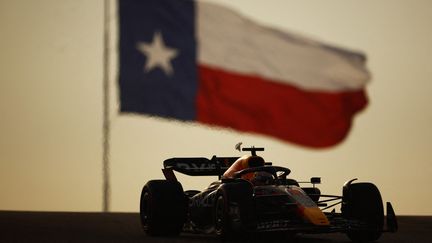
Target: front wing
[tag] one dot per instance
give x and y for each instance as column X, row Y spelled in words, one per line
column 290, row 223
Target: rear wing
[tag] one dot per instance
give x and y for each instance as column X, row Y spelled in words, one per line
column 215, row 166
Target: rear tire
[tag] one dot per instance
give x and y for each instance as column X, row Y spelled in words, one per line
column 163, row 207
column 362, row 203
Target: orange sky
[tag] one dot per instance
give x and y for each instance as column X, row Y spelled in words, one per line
column 51, row 107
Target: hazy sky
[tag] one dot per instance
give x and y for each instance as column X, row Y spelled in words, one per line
column 51, row 107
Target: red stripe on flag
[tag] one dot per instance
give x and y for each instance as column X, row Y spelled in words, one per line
column 252, row 104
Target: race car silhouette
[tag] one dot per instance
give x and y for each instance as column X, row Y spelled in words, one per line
column 272, row 202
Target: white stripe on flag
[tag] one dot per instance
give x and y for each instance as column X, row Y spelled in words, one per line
column 231, row 42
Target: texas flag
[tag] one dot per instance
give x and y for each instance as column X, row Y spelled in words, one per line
column 198, row 61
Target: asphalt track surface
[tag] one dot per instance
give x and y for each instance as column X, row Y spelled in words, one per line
column 125, row 227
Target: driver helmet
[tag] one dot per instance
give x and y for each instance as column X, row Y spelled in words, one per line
column 250, row 162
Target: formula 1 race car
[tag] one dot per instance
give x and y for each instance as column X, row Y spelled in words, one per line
column 272, row 202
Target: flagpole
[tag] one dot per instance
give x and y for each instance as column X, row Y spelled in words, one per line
column 106, row 106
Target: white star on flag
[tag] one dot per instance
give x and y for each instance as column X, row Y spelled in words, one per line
column 158, row 54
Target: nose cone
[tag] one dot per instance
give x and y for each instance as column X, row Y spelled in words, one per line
column 315, row 216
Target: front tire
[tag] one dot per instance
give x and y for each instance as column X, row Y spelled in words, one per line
column 163, row 207
column 222, row 222
column 362, row 203
column 233, row 209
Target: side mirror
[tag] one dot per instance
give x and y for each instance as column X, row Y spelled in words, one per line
column 315, row 180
